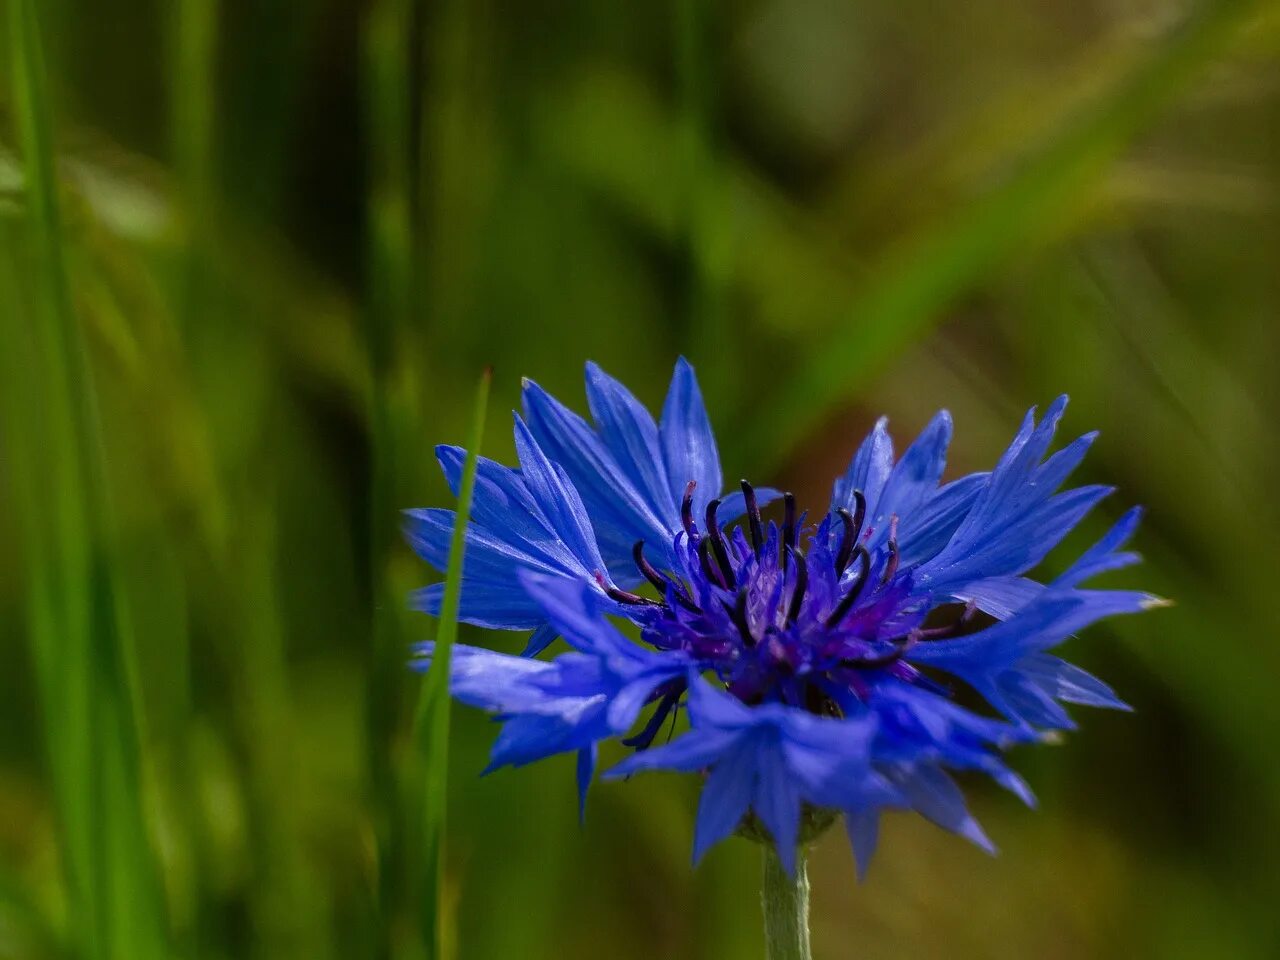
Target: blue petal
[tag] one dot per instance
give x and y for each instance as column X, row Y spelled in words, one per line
column 1103, row 555
column 927, row 530
column 936, row 797
column 777, row 801
column 712, row 708
column 501, row 500
column 1021, row 697
column 868, row 471
column 688, row 443
column 586, row 769
column 689, row 753
column 914, row 480
column 994, row 661
column 541, row 638
column 1000, row 597
column 527, row 738
column 620, row 513
column 576, row 610
column 726, row 796
column 484, row 603
column 559, row 501
column 488, row 555
column 864, row 834
column 489, row 680
column 629, row 433
column 1067, row 682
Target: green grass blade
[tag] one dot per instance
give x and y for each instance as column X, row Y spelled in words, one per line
column 431, row 726
column 389, row 50
column 191, row 122
column 77, row 623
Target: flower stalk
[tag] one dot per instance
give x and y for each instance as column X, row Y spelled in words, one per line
column 786, row 908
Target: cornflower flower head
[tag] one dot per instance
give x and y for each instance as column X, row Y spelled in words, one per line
column 816, row 656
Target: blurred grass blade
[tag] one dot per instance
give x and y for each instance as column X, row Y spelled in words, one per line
column 920, row 279
column 191, row 122
column 77, row 622
column 432, row 721
column 389, row 51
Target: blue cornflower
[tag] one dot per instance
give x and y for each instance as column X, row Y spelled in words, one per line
column 815, row 660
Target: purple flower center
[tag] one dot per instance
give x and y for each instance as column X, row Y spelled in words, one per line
column 806, row 616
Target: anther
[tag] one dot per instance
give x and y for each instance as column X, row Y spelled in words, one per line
column 801, row 584
column 951, row 629
column 901, row 646
column 891, row 567
column 753, row 516
column 859, row 511
column 788, row 521
column 738, row 614
column 709, row 568
column 655, row 577
column 644, row 738
column 847, row 542
column 718, row 546
column 850, row 598
column 622, row 596
column 686, row 510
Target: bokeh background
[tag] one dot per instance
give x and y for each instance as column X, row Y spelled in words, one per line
column 281, row 241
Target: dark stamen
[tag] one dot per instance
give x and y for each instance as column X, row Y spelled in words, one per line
column 738, row 614
column 709, row 568
column 891, row 567
column 951, row 629
column 788, row 521
column 686, row 510
column 646, row 568
column 622, row 596
column 859, row 510
column 660, row 581
column 901, row 647
column 801, row 585
column 847, row 542
column 850, row 598
column 718, row 547
column 753, row 516
column 644, row 738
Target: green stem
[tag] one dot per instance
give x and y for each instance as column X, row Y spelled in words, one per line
column 786, row 908
column 431, row 723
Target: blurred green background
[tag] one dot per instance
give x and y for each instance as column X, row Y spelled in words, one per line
column 253, row 257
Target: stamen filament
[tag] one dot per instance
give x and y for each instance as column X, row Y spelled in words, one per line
column 847, row 541
column 850, row 598
column 754, row 522
column 891, row 567
column 788, row 521
column 686, row 510
column 624, row 596
column 738, row 614
column 718, row 547
column 709, row 568
column 660, row 580
column 801, row 584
